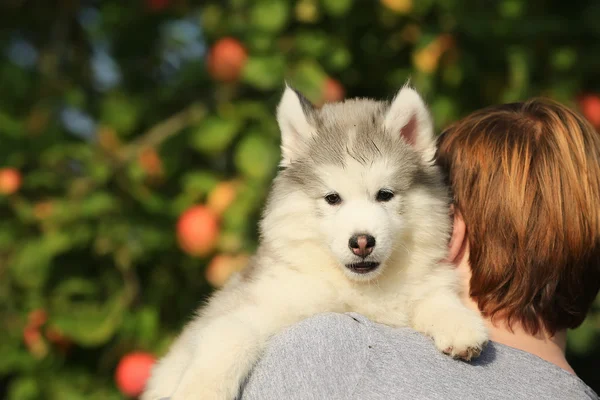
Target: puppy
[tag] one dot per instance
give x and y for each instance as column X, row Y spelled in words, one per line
column 356, row 220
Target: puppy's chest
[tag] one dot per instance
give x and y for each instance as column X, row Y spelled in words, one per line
column 382, row 306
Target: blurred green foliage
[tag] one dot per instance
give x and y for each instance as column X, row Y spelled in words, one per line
column 109, row 112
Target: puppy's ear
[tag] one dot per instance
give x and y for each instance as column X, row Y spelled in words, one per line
column 294, row 115
column 409, row 118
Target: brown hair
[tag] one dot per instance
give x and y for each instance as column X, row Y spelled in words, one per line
column 526, row 179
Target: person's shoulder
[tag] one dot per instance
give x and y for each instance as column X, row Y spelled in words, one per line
column 340, row 333
column 322, row 356
column 330, row 325
column 341, row 356
column 336, row 334
column 328, row 321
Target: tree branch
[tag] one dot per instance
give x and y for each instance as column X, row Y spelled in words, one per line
column 161, row 132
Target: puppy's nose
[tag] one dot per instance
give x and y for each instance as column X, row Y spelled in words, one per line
column 362, row 244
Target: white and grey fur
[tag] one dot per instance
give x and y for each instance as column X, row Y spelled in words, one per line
column 303, row 264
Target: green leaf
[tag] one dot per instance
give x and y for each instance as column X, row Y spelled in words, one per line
column 211, row 18
column 308, row 77
column 24, row 388
column 443, row 111
column 98, row 203
column 196, row 185
column 337, row 7
column 339, row 58
column 564, row 58
column 75, row 97
column 9, row 125
column 7, row 238
column 453, row 75
column 270, row 15
column 256, row 157
column 519, row 67
column 79, row 384
column 248, row 201
column 312, row 43
column 31, row 263
column 121, row 113
column 14, row 357
column 88, row 322
column 510, row 9
column 147, row 326
column 259, row 41
column 253, row 110
column 264, row 72
column 214, row 134
column 581, row 340
column 199, row 182
column 99, row 172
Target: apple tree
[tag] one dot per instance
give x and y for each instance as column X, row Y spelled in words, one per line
column 138, row 141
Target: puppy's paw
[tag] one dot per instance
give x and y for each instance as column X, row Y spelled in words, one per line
column 460, row 334
column 464, row 354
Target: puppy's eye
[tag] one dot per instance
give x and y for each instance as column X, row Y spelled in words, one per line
column 384, row 195
column 333, row 199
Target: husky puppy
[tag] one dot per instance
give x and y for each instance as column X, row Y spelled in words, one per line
column 356, row 220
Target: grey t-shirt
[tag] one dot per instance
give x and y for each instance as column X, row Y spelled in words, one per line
column 346, row 356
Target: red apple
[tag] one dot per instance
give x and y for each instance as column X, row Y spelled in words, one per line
column 226, row 60
column 133, row 371
column 590, row 107
column 197, row 231
column 31, row 336
column 332, row 91
column 10, row 180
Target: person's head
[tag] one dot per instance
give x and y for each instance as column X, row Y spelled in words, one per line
column 525, row 181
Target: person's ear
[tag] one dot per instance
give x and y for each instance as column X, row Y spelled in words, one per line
column 459, row 236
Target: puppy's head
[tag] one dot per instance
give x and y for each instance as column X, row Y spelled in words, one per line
column 348, row 170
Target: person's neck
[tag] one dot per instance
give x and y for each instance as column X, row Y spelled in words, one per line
column 549, row 348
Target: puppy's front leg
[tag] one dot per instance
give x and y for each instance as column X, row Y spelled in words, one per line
column 456, row 329
column 226, row 349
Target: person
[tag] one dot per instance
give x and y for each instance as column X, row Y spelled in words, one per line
column 525, row 183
